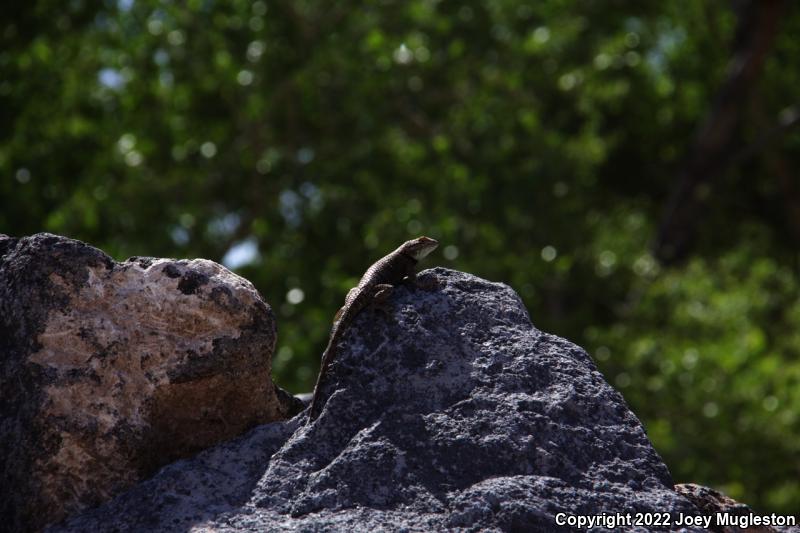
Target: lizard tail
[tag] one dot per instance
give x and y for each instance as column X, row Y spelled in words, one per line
column 343, row 317
column 313, row 411
column 316, row 398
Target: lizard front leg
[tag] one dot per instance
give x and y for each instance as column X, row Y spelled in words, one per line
column 380, row 297
column 381, row 293
column 427, row 283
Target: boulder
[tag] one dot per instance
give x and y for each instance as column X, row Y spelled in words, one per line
column 713, row 503
column 109, row 371
column 448, row 411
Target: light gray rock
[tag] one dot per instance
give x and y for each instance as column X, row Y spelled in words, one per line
column 111, row 370
column 451, row 412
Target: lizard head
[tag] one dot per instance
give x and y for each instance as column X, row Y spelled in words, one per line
column 419, row 247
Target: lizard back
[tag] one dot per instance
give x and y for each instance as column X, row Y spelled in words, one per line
column 390, row 270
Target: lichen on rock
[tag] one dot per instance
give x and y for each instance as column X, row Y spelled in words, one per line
column 111, row 370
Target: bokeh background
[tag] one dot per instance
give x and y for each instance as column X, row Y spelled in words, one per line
column 630, row 168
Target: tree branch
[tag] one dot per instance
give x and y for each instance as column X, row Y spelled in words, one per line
column 713, row 150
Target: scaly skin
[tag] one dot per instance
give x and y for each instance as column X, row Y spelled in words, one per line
column 375, row 286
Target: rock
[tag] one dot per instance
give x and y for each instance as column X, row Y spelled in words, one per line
column 111, row 370
column 713, row 503
column 451, row 412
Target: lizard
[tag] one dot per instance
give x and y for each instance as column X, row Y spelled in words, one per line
column 374, row 287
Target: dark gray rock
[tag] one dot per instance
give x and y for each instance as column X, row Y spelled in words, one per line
column 713, row 504
column 451, row 412
column 109, row 371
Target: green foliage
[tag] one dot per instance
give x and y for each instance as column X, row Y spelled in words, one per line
column 708, row 353
column 537, row 140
